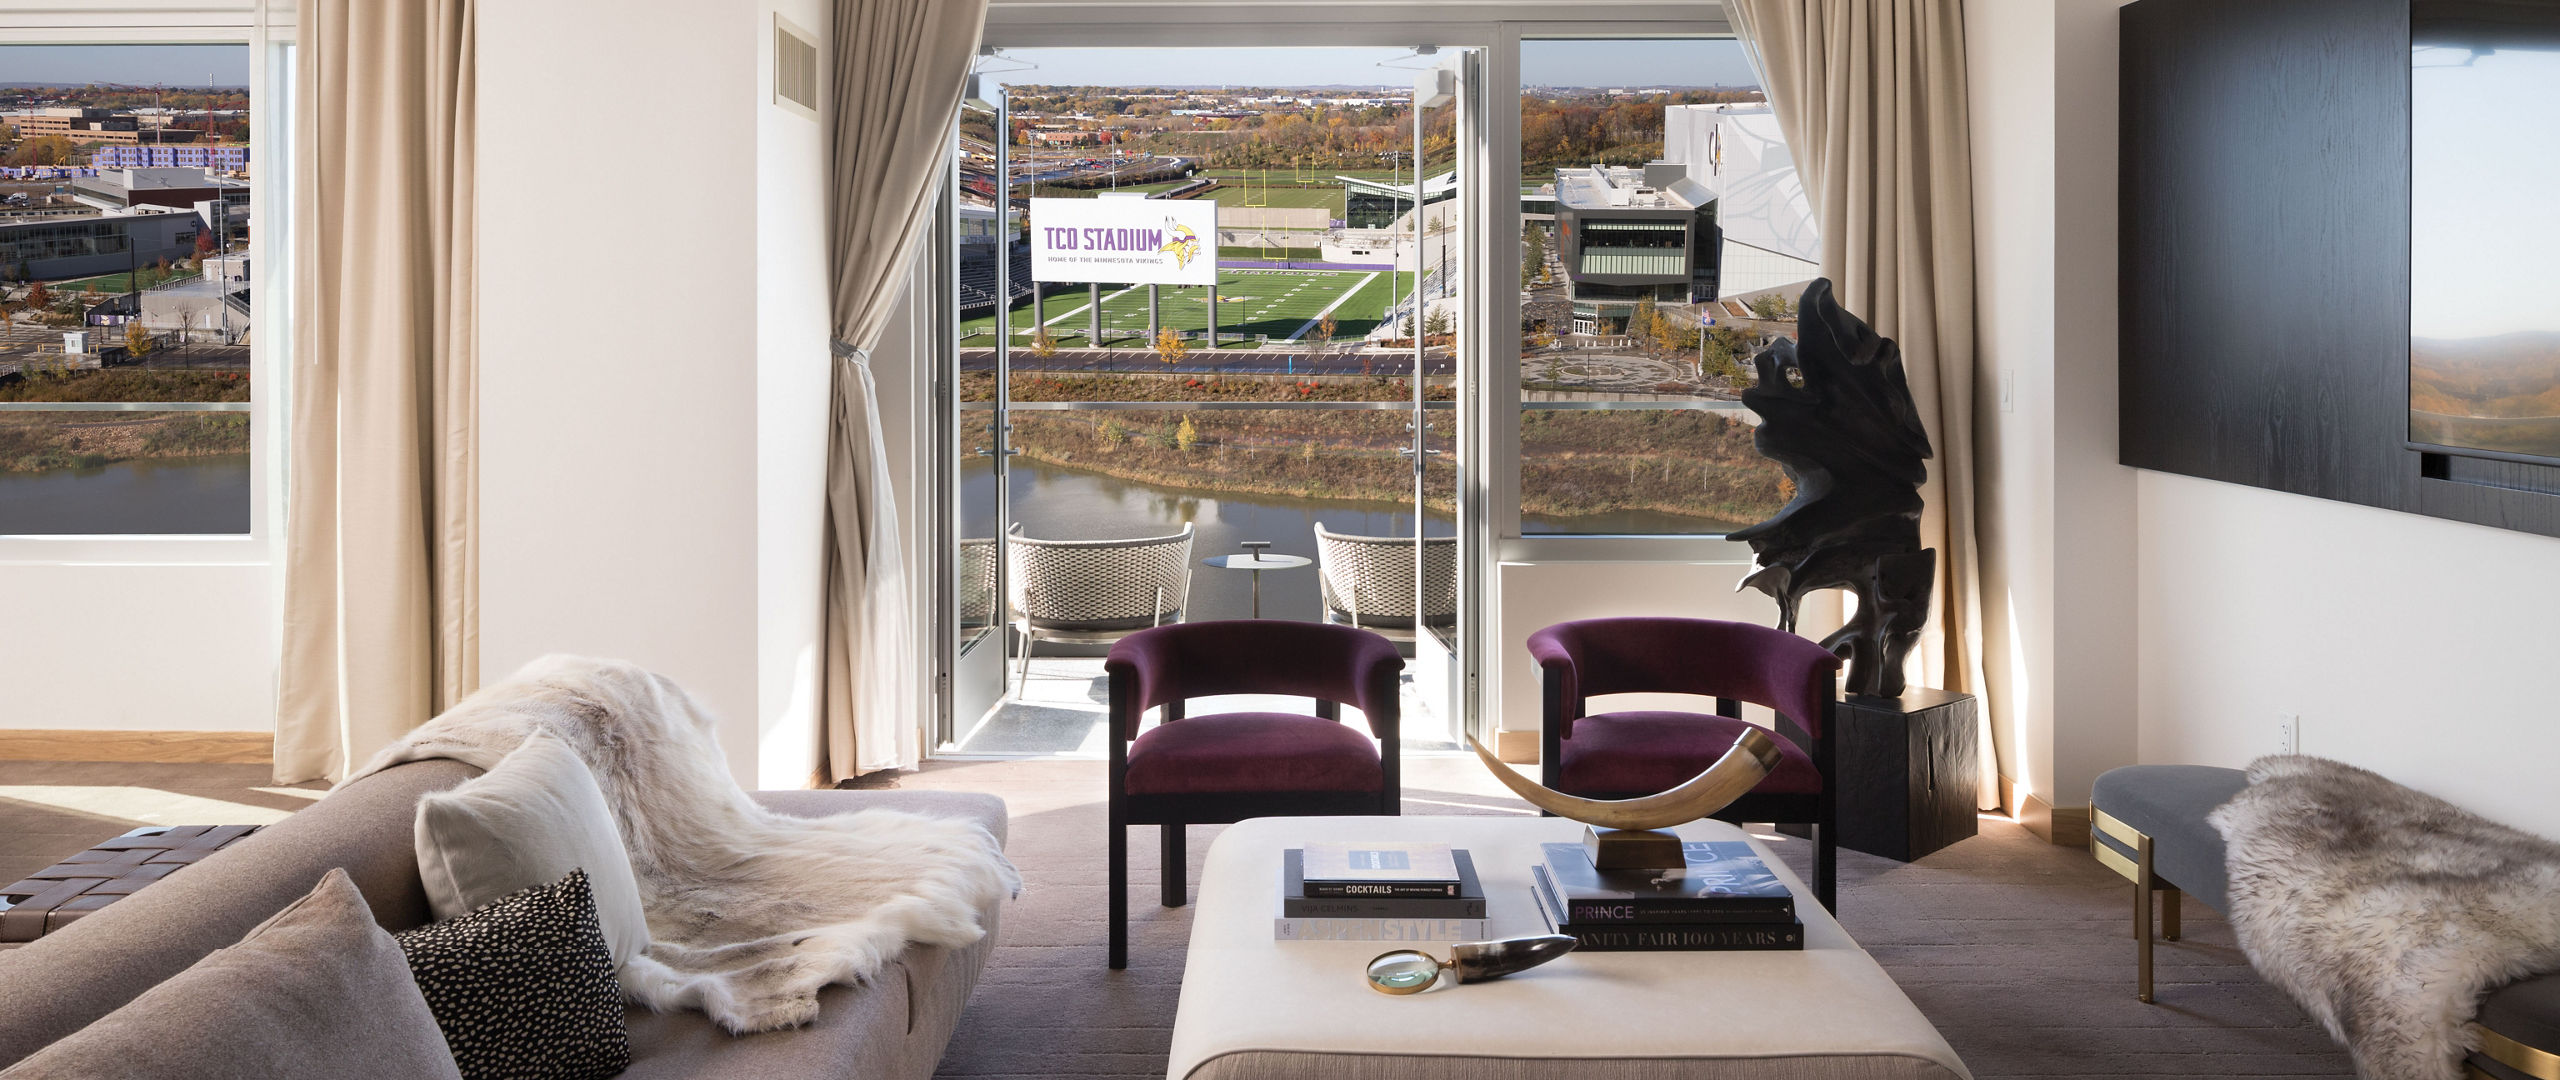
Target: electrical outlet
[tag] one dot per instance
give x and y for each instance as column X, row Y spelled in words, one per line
column 2288, row 733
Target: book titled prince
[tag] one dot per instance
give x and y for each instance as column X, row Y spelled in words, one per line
column 1380, row 868
column 1724, row 880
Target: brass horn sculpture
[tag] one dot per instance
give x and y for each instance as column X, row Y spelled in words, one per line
column 1630, row 834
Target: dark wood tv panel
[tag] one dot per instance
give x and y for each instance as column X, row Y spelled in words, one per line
column 2264, row 261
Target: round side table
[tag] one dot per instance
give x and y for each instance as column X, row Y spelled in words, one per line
column 1257, row 562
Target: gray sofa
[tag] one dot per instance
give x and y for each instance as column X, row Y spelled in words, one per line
column 895, row 1026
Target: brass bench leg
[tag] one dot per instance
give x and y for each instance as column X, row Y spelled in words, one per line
column 2142, row 919
column 2169, row 912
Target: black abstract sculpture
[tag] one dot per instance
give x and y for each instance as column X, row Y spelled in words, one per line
column 1836, row 414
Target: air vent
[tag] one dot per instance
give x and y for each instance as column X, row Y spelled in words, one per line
column 795, row 68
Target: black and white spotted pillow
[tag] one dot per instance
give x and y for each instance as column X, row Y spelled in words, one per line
column 524, row 988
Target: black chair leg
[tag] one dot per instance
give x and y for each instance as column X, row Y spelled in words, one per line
column 1119, row 896
column 1826, row 867
column 1175, row 869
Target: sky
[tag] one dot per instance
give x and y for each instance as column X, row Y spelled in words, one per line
column 2481, row 230
column 1715, row 62
column 141, row 65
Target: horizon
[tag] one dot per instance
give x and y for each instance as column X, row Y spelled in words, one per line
column 178, row 67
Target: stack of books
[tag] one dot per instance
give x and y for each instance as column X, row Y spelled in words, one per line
column 1379, row 891
column 1727, row 898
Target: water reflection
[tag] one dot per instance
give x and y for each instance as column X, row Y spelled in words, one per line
column 187, row 495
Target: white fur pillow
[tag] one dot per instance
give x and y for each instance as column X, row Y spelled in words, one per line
column 527, row 822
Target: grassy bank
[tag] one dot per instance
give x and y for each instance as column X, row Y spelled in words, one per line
column 38, row 442
column 1572, row 463
column 129, row 384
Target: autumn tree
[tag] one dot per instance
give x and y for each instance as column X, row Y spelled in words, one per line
column 47, row 150
column 1672, row 338
column 1326, row 328
column 1043, row 347
column 1186, row 436
column 1170, row 347
column 1640, row 321
column 204, row 243
column 39, row 297
column 137, row 339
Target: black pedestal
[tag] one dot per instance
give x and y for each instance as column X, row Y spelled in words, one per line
column 1909, row 772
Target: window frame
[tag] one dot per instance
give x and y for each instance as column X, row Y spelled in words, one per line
column 269, row 39
column 1494, row 431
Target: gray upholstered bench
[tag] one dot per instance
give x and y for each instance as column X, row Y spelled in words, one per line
column 2148, row 824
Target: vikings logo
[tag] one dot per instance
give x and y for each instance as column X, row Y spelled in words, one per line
column 1185, row 246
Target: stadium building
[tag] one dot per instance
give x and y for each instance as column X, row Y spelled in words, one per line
column 1627, row 235
column 1768, row 235
column 1374, row 204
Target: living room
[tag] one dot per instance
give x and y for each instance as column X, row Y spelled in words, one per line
column 780, row 384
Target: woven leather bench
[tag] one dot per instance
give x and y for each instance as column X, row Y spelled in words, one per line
column 55, row 896
column 2148, row 824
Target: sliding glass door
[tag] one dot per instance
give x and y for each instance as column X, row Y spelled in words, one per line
column 1297, row 402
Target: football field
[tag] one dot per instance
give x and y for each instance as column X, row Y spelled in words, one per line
column 1282, row 304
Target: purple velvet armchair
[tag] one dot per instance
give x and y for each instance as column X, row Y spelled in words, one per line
column 1227, row 767
column 1625, row 755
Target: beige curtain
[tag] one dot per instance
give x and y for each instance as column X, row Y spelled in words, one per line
column 899, row 69
column 381, row 623
column 1871, row 96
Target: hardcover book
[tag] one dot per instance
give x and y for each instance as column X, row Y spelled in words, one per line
column 1286, row 928
column 1782, row 933
column 1382, row 868
column 1294, row 903
column 1725, row 881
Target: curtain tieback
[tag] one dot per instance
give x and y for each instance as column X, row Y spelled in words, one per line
column 856, row 354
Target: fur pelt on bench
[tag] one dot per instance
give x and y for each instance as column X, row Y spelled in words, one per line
column 2384, row 912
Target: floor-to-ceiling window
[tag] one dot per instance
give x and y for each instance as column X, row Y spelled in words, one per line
column 1273, row 399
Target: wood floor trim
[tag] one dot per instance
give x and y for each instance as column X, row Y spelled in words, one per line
column 2064, row 825
column 140, row 747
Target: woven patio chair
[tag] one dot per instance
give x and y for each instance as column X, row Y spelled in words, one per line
column 1094, row 590
column 1367, row 581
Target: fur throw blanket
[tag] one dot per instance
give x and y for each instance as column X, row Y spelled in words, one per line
column 750, row 912
column 2384, row 912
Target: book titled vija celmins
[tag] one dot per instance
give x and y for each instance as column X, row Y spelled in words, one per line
column 1726, row 898
column 1381, row 868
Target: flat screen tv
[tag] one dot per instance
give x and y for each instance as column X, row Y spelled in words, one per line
column 2484, row 237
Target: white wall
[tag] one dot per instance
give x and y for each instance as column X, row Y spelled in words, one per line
column 792, row 409
column 2415, row 647
column 627, row 507
column 120, row 647
column 2058, row 565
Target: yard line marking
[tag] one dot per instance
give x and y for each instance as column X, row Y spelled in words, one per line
column 1328, row 308
column 1080, row 309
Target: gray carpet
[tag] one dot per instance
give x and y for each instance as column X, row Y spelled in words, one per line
column 2021, row 952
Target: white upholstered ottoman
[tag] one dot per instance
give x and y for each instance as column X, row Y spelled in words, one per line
column 1258, row 1009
